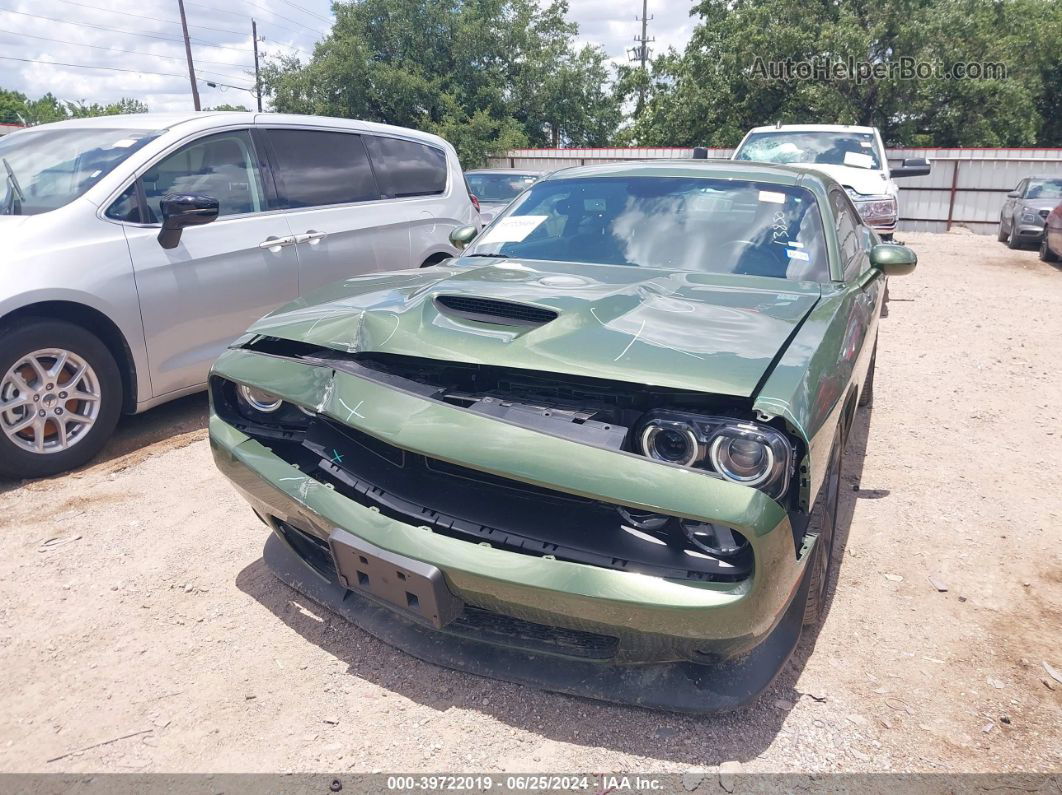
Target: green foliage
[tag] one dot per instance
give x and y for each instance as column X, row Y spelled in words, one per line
column 711, row 94
column 17, row 108
column 486, row 74
column 226, row 107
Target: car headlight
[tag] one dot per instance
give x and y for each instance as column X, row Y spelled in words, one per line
column 874, row 208
column 741, row 451
column 259, row 399
column 1029, row 217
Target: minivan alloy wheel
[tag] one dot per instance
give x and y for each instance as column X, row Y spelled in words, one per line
column 49, row 400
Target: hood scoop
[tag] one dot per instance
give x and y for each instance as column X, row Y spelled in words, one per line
column 491, row 310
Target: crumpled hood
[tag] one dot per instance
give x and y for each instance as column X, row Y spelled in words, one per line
column 702, row 332
column 861, row 180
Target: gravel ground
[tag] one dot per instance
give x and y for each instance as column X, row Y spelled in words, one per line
column 134, row 603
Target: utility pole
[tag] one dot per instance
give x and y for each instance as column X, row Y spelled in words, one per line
column 641, row 54
column 257, row 78
column 188, row 53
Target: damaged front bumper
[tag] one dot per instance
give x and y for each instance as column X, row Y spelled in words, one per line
column 590, row 630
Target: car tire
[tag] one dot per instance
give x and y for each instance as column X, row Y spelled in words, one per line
column 1046, row 254
column 1001, row 235
column 1014, row 242
column 31, row 353
column 824, row 524
column 866, row 396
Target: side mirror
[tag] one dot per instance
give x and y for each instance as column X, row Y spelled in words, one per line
column 892, row 259
column 184, row 209
column 462, row 236
column 1014, row 194
column 912, row 167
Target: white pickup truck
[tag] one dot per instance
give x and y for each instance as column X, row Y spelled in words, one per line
column 854, row 156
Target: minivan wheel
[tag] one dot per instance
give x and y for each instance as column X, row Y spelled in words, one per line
column 60, row 397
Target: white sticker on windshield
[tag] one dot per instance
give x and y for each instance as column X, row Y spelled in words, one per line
column 797, row 254
column 771, row 196
column 858, row 159
column 124, row 143
column 795, row 244
column 513, row 229
column 865, row 144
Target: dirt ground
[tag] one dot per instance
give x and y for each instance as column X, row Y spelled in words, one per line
column 134, row 603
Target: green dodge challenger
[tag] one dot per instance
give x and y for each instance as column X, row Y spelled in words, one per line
column 598, row 453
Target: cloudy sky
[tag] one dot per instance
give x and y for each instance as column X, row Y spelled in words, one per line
column 143, row 37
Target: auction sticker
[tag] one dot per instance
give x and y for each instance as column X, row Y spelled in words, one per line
column 513, row 229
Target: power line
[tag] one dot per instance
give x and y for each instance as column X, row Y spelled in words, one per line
column 153, row 19
column 127, row 52
column 307, row 11
column 270, row 11
column 125, row 32
column 106, row 68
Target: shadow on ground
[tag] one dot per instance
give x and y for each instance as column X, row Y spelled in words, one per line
column 684, row 739
column 170, row 424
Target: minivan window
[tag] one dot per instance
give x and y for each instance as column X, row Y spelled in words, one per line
column 126, row 207
column 43, row 170
column 223, row 166
column 317, row 168
column 407, row 168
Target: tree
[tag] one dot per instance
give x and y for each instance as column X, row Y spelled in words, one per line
column 225, row 107
column 16, row 108
column 485, row 74
column 717, row 89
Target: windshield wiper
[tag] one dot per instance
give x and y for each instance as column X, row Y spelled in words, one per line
column 14, row 180
column 496, row 256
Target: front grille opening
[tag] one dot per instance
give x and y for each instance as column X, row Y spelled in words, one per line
column 491, row 310
column 491, row 627
column 507, row 514
column 313, row 550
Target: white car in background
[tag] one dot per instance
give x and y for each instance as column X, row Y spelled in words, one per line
column 854, row 156
column 136, row 248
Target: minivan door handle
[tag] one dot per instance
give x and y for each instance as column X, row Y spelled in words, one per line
column 312, row 236
column 274, row 243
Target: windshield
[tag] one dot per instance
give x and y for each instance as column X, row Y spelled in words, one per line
column 41, row 170
column 1044, row 189
column 499, row 187
column 858, row 150
column 674, row 223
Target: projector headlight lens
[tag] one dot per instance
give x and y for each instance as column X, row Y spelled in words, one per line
column 259, row 399
column 673, row 442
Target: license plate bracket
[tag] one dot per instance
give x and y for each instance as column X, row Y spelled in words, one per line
column 416, row 589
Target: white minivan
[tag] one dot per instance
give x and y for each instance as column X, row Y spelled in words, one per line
column 854, row 156
column 135, row 248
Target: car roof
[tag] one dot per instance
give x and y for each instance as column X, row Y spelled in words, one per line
column 706, row 169
column 812, row 128
column 517, row 171
column 204, row 120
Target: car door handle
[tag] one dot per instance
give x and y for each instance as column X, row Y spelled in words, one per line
column 274, row 243
column 312, row 236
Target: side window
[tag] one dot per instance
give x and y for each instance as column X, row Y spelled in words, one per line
column 317, row 168
column 223, row 166
column 407, row 168
column 849, row 235
column 126, row 207
column 1023, row 186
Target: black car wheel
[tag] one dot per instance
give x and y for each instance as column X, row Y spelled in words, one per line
column 824, row 524
column 1046, row 254
column 60, row 397
column 1015, row 238
column 1001, row 235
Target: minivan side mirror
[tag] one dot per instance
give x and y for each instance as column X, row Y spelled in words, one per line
column 893, row 259
column 912, row 167
column 184, row 209
column 462, row 236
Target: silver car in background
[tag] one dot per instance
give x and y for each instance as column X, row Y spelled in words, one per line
column 1021, row 221
column 495, row 188
column 135, row 248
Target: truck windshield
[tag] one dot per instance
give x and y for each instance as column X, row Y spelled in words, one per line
column 672, row 223
column 42, row 170
column 853, row 149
